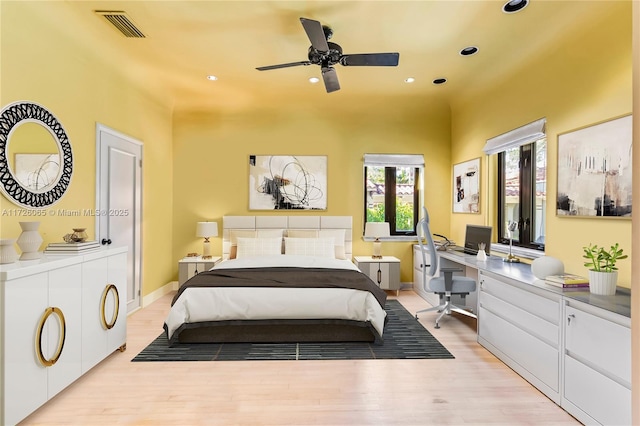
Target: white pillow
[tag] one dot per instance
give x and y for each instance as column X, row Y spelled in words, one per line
column 338, row 237
column 234, row 234
column 248, row 247
column 320, row 247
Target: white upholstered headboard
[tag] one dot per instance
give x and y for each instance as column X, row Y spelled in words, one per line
column 285, row 223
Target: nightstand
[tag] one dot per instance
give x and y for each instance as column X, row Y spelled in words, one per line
column 385, row 272
column 189, row 266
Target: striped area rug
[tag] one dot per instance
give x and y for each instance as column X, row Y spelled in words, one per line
column 404, row 338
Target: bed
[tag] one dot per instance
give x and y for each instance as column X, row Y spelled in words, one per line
column 282, row 279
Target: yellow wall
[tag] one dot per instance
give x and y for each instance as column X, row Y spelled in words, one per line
column 585, row 79
column 41, row 64
column 211, row 155
column 635, row 286
column 196, row 167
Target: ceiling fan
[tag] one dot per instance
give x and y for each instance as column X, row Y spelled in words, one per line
column 326, row 54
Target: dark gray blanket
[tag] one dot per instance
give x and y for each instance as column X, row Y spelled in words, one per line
column 285, row 277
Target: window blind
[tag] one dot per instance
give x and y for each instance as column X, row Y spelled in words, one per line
column 528, row 133
column 382, row 160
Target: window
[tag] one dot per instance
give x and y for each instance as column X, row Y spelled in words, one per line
column 391, row 191
column 522, row 184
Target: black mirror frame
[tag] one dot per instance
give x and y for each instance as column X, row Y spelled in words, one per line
column 13, row 115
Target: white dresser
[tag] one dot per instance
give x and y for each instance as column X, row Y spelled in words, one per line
column 59, row 316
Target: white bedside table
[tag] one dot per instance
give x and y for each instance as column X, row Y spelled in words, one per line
column 385, row 272
column 189, row 266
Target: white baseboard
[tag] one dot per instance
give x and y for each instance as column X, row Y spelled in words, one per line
column 157, row 294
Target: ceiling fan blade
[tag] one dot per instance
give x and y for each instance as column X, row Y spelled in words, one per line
column 290, row 64
column 371, row 59
column 330, row 78
column 316, row 34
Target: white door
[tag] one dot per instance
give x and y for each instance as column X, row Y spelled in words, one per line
column 119, row 201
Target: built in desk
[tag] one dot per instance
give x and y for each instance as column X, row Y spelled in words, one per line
column 574, row 346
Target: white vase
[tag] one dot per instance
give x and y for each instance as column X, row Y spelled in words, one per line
column 544, row 266
column 8, row 253
column 603, row 283
column 29, row 241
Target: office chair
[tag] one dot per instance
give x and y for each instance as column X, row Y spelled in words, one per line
column 440, row 280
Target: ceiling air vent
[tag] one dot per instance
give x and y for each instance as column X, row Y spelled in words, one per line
column 121, row 21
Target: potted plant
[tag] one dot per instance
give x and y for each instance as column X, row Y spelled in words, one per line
column 603, row 272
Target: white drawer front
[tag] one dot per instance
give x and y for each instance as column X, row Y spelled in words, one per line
column 417, row 259
column 535, row 325
column 600, row 397
column 534, row 355
column 537, row 305
column 603, row 343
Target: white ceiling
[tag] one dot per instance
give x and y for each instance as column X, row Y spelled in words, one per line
column 187, row 40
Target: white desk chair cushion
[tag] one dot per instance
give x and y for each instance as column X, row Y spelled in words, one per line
column 460, row 284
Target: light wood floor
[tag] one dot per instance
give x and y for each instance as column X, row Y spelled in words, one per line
column 474, row 388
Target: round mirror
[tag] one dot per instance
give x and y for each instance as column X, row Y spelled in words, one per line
column 35, row 156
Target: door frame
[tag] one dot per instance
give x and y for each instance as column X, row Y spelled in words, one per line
column 137, row 255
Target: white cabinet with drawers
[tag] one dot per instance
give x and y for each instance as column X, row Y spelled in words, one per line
column 575, row 347
column 597, row 365
column 48, row 309
column 520, row 324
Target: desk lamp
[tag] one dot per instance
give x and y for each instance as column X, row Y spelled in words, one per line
column 512, row 226
column 206, row 230
column 377, row 230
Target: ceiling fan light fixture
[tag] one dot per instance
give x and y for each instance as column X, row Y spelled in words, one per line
column 326, row 54
column 514, row 6
column 439, row 81
column 409, row 80
column 468, row 51
column 212, row 77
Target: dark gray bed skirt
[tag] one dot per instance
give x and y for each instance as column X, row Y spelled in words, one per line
column 275, row 331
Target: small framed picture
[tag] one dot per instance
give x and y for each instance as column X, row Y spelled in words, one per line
column 466, row 187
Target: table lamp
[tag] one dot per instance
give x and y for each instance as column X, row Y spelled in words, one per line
column 377, row 230
column 206, row 230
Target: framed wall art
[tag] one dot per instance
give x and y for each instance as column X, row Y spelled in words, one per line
column 466, row 187
column 287, row 182
column 594, row 170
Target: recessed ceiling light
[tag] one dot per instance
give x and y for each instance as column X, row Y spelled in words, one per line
column 409, row 80
column 467, row 51
column 514, row 6
column 212, row 77
column 314, row 80
column 439, row 81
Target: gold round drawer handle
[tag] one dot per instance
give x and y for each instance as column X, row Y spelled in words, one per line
column 103, row 317
column 63, row 331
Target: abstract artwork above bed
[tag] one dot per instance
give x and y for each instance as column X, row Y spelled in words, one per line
column 287, row 182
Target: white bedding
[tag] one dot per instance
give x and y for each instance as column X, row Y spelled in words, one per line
column 242, row 303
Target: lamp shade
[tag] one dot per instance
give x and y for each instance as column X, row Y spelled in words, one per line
column 207, row 229
column 376, row 229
